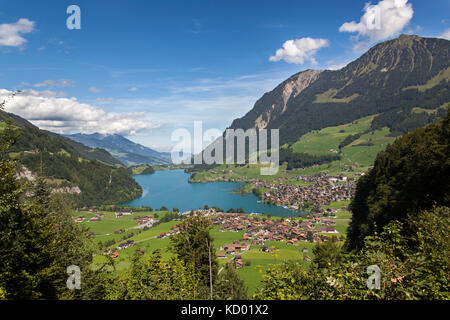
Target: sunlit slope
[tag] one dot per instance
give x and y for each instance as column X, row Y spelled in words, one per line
column 360, row 152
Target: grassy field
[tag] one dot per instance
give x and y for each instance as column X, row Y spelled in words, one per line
column 256, row 262
column 260, row 261
column 320, row 142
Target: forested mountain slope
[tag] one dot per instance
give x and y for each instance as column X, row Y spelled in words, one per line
column 70, row 166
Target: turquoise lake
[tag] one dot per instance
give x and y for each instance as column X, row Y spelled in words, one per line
column 170, row 188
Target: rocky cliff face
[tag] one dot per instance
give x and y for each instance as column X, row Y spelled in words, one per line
column 275, row 102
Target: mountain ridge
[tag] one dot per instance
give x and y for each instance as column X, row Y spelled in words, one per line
column 393, row 76
column 123, row 149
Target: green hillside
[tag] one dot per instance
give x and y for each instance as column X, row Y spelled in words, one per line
column 360, row 152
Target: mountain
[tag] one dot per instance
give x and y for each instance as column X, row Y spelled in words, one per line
column 124, row 150
column 404, row 82
column 92, row 176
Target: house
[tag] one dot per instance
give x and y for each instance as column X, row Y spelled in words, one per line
column 79, row 219
column 94, row 219
column 221, row 255
column 125, row 244
column 327, row 229
column 307, row 258
column 115, row 255
column 162, row 235
column 238, row 264
column 305, row 250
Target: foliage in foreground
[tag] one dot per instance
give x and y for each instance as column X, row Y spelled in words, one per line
column 412, row 267
column 409, row 176
column 38, row 238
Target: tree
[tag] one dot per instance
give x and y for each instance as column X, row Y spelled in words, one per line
column 193, row 245
column 409, row 176
column 38, row 238
column 310, row 236
column 152, row 278
column 328, row 253
column 229, row 285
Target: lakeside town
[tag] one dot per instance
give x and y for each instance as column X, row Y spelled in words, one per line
column 309, row 193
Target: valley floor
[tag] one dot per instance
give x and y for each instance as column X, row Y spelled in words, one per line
column 119, row 237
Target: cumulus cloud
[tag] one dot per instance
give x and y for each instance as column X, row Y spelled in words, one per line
column 10, row 34
column 298, row 50
column 381, row 21
column 67, row 115
column 445, row 34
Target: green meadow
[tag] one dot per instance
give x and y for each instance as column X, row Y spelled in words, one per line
column 358, row 153
column 255, row 261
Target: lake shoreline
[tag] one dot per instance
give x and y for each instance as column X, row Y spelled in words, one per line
column 172, row 188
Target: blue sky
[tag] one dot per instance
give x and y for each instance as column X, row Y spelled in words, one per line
column 145, row 68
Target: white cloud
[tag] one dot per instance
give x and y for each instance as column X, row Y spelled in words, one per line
column 95, row 90
column 54, row 83
column 298, row 50
column 133, row 89
column 67, row 115
column 445, row 34
column 381, row 21
column 10, row 34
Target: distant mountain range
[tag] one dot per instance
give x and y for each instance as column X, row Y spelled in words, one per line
column 404, row 82
column 124, row 150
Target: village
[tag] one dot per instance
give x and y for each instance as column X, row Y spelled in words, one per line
column 312, row 195
column 257, row 230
